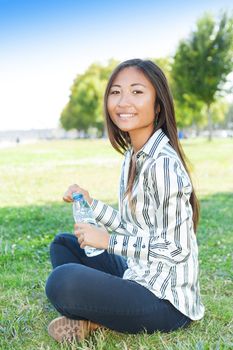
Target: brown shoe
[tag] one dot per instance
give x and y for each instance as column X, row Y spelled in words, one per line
column 63, row 328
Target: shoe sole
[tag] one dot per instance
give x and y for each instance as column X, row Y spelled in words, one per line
column 63, row 328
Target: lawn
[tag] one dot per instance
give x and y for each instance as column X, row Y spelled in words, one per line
column 33, row 178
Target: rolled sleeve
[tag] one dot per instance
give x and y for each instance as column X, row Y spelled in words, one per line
column 126, row 239
column 111, row 218
column 129, row 246
column 105, row 214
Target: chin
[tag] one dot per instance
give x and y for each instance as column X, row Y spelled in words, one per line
column 125, row 129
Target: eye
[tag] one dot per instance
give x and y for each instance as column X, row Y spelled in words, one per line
column 114, row 92
column 135, row 92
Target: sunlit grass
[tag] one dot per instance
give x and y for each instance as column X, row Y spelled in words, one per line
column 33, row 179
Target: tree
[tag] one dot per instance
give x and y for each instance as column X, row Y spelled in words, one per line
column 82, row 110
column 203, row 62
column 189, row 112
column 229, row 117
column 219, row 111
column 165, row 64
column 85, row 106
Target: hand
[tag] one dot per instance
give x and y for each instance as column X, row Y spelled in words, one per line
column 67, row 197
column 93, row 236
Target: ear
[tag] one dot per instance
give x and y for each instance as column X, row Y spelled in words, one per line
column 157, row 110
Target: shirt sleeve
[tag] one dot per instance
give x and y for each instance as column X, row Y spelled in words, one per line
column 126, row 239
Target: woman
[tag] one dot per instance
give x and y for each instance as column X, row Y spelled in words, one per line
column 147, row 278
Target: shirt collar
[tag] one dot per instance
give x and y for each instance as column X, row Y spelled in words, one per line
column 153, row 146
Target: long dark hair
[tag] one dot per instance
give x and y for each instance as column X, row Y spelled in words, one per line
column 165, row 119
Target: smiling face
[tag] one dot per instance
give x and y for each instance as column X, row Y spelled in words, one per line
column 131, row 102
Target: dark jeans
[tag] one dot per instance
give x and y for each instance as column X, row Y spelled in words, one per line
column 92, row 288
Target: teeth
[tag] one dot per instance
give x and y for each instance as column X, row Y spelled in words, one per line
column 126, row 115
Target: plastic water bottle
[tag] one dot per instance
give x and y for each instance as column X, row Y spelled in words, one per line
column 82, row 212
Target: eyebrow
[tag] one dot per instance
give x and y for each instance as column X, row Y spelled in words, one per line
column 116, row 85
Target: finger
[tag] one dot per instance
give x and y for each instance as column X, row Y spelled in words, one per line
column 80, row 225
column 79, row 231
column 80, row 240
column 67, row 199
column 74, row 188
column 82, row 245
column 79, row 235
column 77, row 225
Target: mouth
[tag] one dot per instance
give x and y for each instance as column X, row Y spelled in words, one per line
column 125, row 116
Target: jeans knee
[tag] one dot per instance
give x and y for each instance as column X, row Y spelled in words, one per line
column 64, row 282
column 50, row 287
column 58, row 283
column 61, row 237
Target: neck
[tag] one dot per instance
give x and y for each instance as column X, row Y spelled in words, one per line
column 138, row 140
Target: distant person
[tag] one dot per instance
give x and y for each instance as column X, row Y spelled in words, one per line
column 147, row 278
column 180, row 135
column 17, row 140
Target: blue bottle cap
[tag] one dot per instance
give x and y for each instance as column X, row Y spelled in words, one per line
column 77, row 196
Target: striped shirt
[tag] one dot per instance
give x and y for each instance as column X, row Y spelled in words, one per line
column 157, row 237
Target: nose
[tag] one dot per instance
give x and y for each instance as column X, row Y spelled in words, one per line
column 124, row 100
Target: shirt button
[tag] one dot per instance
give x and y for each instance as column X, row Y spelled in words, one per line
column 135, row 245
column 143, row 246
column 124, row 244
column 115, row 242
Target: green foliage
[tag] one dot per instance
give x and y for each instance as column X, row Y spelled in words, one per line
column 32, row 212
column 219, row 111
column 84, row 109
column 203, row 61
column 165, row 63
column 189, row 111
column 196, row 75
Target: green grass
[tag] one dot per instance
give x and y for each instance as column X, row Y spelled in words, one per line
column 33, row 179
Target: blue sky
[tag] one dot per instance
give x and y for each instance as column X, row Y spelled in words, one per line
column 44, row 44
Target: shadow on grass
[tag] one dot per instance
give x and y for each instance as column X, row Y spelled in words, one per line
column 26, row 233
column 29, row 223
column 215, row 236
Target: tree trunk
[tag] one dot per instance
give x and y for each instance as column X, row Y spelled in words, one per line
column 197, row 130
column 210, row 124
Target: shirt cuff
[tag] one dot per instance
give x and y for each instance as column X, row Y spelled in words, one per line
column 93, row 204
column 129, row 246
